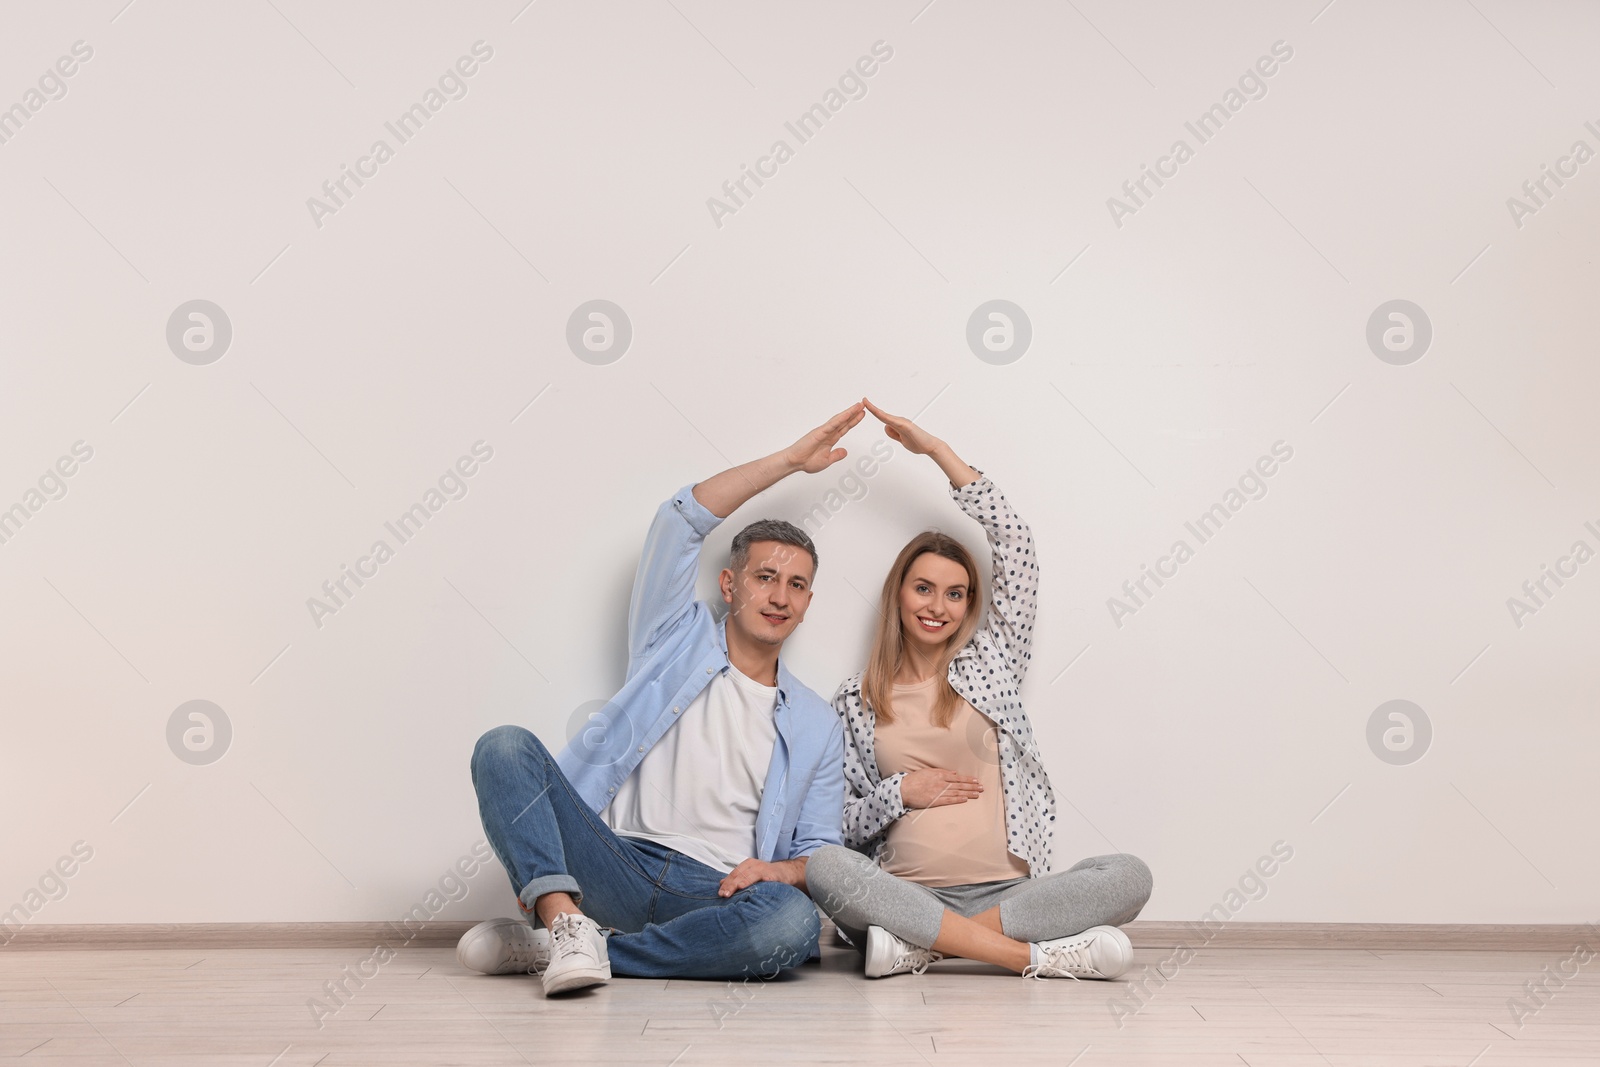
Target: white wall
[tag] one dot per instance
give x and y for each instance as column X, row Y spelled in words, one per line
column 1227, row 313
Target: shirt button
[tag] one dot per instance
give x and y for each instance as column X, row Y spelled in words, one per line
column 613, row 789
column 676, row 710
column 641, row 748
column 710, row 670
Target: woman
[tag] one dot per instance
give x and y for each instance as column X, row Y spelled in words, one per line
column 948, row 794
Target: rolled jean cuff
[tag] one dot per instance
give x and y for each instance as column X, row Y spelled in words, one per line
column 549, row 883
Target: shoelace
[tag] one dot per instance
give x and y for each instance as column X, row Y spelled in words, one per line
column 920, row 960
column 1061, row 961
column 566, row 935
column 526, row 955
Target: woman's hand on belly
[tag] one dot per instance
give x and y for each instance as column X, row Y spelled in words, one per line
column 934, row 787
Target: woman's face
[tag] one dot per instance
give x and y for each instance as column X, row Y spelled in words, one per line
column 933, row 601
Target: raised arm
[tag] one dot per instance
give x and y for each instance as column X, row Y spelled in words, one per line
column 724, row 493
column 663, row 586
column 1014, row 578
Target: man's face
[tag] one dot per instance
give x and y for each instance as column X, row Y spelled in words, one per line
column 768, row 597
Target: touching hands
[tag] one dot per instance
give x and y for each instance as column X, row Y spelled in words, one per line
column 934, row 787
column 725, row 493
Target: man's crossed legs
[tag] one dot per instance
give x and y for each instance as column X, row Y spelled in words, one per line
column 662, row 907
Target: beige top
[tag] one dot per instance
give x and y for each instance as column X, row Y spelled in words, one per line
column 953, row 844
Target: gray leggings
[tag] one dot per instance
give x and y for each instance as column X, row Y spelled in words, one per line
column 856, row 893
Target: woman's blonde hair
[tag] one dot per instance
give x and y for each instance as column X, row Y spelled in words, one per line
column 888, row 644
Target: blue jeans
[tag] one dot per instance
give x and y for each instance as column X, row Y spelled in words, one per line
column 661, row 906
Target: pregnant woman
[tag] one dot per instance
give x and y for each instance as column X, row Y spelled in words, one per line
column 950, row 815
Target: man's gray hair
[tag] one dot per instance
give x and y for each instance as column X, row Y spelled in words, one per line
column 786, row 533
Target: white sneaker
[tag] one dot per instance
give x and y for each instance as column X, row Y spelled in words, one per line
column 1098, row 952
column 504, row 946
column 887, row 954
column 577, row 955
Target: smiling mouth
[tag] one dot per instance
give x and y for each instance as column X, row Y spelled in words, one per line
column 776, row 620
column 933, row 626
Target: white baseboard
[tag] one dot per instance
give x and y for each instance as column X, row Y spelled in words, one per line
column 1143, row 934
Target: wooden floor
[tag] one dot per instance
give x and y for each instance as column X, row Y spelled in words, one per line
column 1256, row 1007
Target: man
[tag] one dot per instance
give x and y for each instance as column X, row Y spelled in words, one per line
column 682, row 822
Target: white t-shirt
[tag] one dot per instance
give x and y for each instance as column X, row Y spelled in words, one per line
column 699, row 789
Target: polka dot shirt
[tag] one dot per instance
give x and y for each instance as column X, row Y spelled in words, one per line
column 988, row 672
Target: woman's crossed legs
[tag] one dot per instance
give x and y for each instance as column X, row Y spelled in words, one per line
column 994, row 922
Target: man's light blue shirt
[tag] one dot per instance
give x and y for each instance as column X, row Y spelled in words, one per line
column 676, row 646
